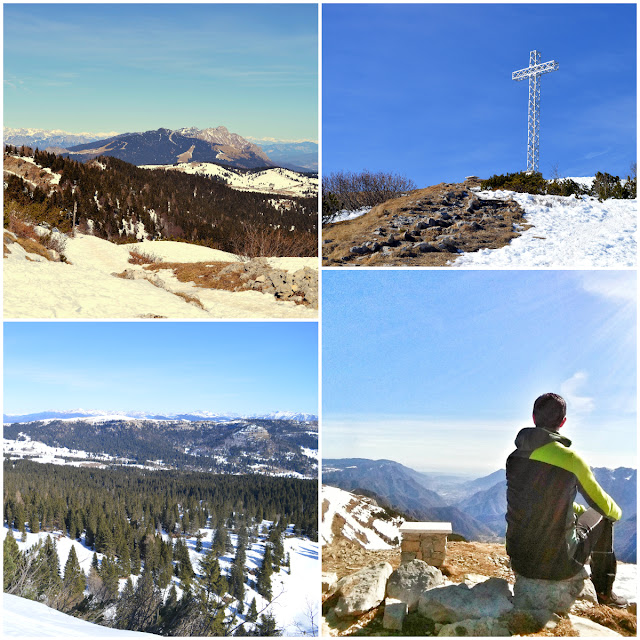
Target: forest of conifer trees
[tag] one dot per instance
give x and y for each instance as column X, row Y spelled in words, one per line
column 139, row 525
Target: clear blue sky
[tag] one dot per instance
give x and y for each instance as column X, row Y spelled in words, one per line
column 134, row 67
column 425, row 90
column 439, row 369
column 173, row 367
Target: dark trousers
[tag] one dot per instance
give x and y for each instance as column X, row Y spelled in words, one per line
column 596, row 540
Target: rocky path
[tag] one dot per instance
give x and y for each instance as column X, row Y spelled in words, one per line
column 428, row 227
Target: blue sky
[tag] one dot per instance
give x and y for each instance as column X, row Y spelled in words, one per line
column 135, row 67
column 439, row 369
column 425, row 90
column 241, row 367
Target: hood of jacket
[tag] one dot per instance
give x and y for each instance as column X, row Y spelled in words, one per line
column 533, row 438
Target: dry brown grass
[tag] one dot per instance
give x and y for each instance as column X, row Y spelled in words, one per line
column 203, row 274
column 21, row 228
column 31, row 246
column 138, row 256
column 190, row 299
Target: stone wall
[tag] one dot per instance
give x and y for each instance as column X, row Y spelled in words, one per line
column 426, row 541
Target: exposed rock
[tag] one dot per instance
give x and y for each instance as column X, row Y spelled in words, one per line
column 484, row 627
column 489, row 599
column 363, row 590
column 409, row 581
column 554, row 595
column 395, row 612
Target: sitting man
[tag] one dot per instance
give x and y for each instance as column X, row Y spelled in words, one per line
column 549, row 536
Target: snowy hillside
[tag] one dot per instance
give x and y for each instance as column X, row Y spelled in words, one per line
column 22, row 618
column 277, row 181
column 86, row 287
column 357, row 518
column 295, row 598
column 577, row 232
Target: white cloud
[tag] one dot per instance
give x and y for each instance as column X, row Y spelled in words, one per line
column 570, row 390
column 618, row 286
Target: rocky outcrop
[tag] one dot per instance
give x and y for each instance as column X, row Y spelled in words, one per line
column 298, row 286
column 483, row 627
column 362, row 591
column 428, row 227
column 409, row 581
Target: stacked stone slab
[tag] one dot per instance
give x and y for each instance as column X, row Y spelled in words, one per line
column 426, row 541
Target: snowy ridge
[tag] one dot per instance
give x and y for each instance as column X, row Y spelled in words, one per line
column 281, row 181
column 358, row 518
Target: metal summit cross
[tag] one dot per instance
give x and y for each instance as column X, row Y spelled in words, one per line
column 533, row 72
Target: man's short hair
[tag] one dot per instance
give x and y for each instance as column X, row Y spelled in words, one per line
column 549, row 411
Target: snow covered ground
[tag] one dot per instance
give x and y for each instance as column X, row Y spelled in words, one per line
column 37, row 288
column 282, row 181
column 344, row 214
column 22, row 618
column 575, row 232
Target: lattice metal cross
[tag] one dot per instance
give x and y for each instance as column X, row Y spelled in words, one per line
column 533, row 72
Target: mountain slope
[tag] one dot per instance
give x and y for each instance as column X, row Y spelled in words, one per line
column 404, row 489
column 164, row 146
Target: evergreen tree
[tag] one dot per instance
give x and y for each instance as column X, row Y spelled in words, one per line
column 125, row 606
column 252, row 614
column 11, row 560
column 212, row 579
column 263, row 582
column 74, row 581
column 267, row 626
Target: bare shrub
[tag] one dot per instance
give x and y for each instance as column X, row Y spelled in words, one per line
column 351, row 191
column 138, row 256
column 55, row 242
column 254, row 242
column 22, row 228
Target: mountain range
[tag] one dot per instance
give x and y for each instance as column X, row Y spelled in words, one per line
column 141, row 415
column 258, row 445
column 166, row 146
column 476, row 508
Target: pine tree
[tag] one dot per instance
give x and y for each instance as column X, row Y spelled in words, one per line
column 212, row 579
column 252, row 614
column 267, row 626
column 11, row 560
column 74, row 581
column 263, row 582
column 125, row 606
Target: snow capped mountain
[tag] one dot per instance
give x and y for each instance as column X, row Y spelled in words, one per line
column 194, row 416
column 165, row 146
column 43, row 138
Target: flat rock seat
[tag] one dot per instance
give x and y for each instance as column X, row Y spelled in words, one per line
column 557, row 596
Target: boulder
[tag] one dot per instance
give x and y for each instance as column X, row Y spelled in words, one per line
column 395, row 612
column 453, row 603
column 363, row 590
column 409, row 580
column 554, row 595
column 483, row 627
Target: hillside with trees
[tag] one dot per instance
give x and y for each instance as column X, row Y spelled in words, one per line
column 120, row 202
